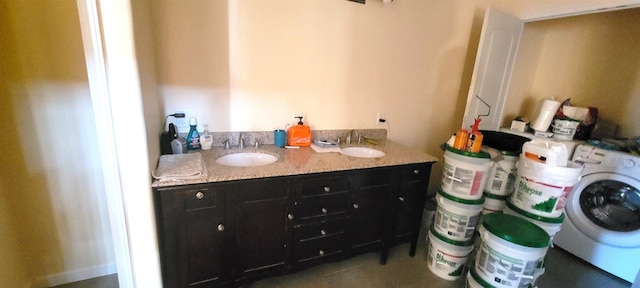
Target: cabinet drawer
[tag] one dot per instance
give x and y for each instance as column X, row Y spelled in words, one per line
column 319, row 230
column 319, row 248
column 320, row 206
column 324, row 186
column 200, row 198
column 374, row 178
column 415, row 173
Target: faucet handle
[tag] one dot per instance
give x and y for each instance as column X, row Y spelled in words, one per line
column 241, row 143
column 257, row 143
column 226, row 144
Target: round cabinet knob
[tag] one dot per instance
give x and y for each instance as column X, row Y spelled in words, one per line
column 324, row 210
column 320, row 252
column 199, row 195
column 401, row 199
column 356, row 206
column 416, row 171
column 220, row 227
column 322, row 232
column 327, row 189
column 290, row 216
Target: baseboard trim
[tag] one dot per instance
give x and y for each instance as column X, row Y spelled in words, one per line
column 76, row 275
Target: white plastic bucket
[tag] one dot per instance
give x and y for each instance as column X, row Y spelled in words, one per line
column 542, row 189
column 474, row 281
column 550, row 225
column 502, row 176
column 564, row 129
column 465, row 173
column 545, row 151
column 493, row 203
column 447, row 258
column 511, row 251
column 457, row 218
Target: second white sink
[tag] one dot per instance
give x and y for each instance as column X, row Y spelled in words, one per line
column 362, row 152
column 246, row 159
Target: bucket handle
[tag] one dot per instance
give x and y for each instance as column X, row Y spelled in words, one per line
column 453, row 178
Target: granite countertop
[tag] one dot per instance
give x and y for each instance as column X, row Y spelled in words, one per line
column 300, row 161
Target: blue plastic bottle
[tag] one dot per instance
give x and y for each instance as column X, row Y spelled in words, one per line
column 193, row 138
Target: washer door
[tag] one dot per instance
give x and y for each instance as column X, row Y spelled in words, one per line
column 606, row 207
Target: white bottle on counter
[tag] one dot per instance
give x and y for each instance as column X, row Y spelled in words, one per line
column 206, row 139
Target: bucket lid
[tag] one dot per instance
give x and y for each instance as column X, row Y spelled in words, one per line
column 460, row 200
column 469, row 154
column 557, row 220
column 509, row 153
column 447, row 240
column 494, row 196
column 477, row 278
column 516, row 230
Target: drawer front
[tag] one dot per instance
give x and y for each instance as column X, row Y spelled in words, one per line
column 319, row 248
column 324, row 186
column 319, row 230
column 321, row 206
column 415, row 173
column 374, row 178
column 200, row 198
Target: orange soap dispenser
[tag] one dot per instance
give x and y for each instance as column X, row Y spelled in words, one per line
column 299, row 135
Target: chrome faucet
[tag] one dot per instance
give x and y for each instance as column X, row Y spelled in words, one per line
column 352, row 132
column 226, row 144
column 241, row 141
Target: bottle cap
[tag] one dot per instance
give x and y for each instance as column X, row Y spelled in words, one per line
column 193, row 121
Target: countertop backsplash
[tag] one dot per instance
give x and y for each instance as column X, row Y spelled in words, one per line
column 266, row 137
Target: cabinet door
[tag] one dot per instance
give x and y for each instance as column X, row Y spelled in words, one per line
column 410, row 202
column 370, row 191
column 192, row 226
column 262, row 226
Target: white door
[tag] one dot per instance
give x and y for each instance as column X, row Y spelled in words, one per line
column 492, row 71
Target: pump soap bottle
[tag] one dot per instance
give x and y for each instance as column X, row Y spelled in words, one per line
column 206, row 140
column 193, row 137
column 299, row 135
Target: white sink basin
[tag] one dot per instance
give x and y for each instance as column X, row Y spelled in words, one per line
column 246, row 159
column 362, row 152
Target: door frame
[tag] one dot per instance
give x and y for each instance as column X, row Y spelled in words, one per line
column 114, row 83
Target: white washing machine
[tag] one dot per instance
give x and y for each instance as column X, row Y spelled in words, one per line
column 602, row 224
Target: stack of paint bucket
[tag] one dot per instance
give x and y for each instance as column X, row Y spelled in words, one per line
column 459, row 204
column 544, row 180
column 502, row 176
column 500, row 182
column 533, row 214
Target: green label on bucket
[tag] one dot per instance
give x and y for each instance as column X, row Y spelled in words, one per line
column 546, row 206
column 544, row 198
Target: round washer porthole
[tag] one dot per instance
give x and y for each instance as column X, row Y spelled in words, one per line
column 606, row 207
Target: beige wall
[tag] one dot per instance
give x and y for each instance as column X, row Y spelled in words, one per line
column 591, row 59
column 250, row 65
column 52, row 194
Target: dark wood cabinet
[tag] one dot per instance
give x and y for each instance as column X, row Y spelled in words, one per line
column 369, row 204
column 193, row 233
column 261, row 226
column 409, row 201
column 231, row 233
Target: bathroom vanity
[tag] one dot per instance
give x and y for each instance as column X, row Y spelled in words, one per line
column 245, row 223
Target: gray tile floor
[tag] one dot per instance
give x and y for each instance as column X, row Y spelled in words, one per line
column 563, row 271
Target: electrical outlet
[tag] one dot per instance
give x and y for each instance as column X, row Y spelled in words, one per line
column 380, row 118
column 182, row 124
